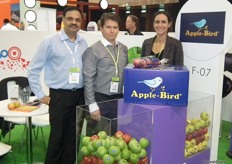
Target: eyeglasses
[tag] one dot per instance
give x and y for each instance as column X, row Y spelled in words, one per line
column 71, row 19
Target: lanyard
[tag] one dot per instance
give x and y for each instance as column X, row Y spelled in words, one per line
column 70, row 51
column 161, row 49
column 115, row 61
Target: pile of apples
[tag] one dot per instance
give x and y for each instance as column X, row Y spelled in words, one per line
column 13, row 105
column 118, row 149
column 197, row 135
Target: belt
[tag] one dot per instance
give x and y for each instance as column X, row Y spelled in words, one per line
column 67, row 90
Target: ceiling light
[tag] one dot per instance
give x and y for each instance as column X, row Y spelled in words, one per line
column 62, row 2
column 104, row 4
column 30, row 3
column 30, row 16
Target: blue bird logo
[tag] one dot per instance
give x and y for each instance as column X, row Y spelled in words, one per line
column 199, row 24
column 153, row 83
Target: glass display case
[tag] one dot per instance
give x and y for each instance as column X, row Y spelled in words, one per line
column 129, row 128
column 198, row 127
column 163, row 127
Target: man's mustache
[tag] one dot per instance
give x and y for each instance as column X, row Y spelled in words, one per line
column 73, row 25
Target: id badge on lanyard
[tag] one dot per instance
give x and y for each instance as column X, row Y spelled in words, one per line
column 114, row 85
column 74, row 72
column 74, row 75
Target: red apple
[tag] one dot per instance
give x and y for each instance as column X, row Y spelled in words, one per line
column 87, row 160
column 189, row 136
column 195, row 135
column 198, row 140
column 136, row 63
column 200, row 132
column 143, row 63
column 149, row 62
column 99, row 161
column 94, row 137
column 143, row 160
column 118, row 134
column 126, row 138
column 202, row 138
column 93, row 159
column 205, row 130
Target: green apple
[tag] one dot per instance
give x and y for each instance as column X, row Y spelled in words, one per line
column 108, row 159
column 195, row 149
column 122, row 161
column 101, row 151
column 114, row 151
column 204, row 116
column 143, row 153
column 194, row 120
column 135, row 148
column 190, row 151
column 132, row 141
column 199, row 146
column 134, row 158
column 109, row 141
column 197, row 125
column 193, row 142
column 118, row 157
column 94, row 153
column 204, row 144
column 144, row 143
column 90, row 147
column 85, row 140
column 102, row 134
column 207, row 136
column 202, row 123
column 97, row 143
column 125, row 154
column 207, row 123
column 85, row 151
column 189, row 128
column 187, row 144
column 186, row 153
column 120, row 143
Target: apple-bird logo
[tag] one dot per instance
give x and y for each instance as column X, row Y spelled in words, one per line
column 199, row 24
column 153, row 83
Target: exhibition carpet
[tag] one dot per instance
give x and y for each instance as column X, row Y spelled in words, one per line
column 39, row 148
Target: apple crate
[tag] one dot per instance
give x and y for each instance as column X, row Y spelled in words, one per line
column 117, row 130
column 198, row 127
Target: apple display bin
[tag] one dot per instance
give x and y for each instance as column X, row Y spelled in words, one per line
column 198, row 103
column 131, row 119
column 169, row 129
column 164, row 126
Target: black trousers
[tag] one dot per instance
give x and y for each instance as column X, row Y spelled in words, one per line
column 62, row 140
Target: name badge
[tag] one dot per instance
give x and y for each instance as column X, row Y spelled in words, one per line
column 74, row 75
column 114, row 85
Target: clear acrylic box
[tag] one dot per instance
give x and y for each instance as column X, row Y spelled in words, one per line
column 200, row 115
column 130, row 119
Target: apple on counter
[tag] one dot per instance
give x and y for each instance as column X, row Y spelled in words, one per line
column 13, row 105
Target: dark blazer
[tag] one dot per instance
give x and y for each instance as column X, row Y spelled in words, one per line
column 173, row 50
